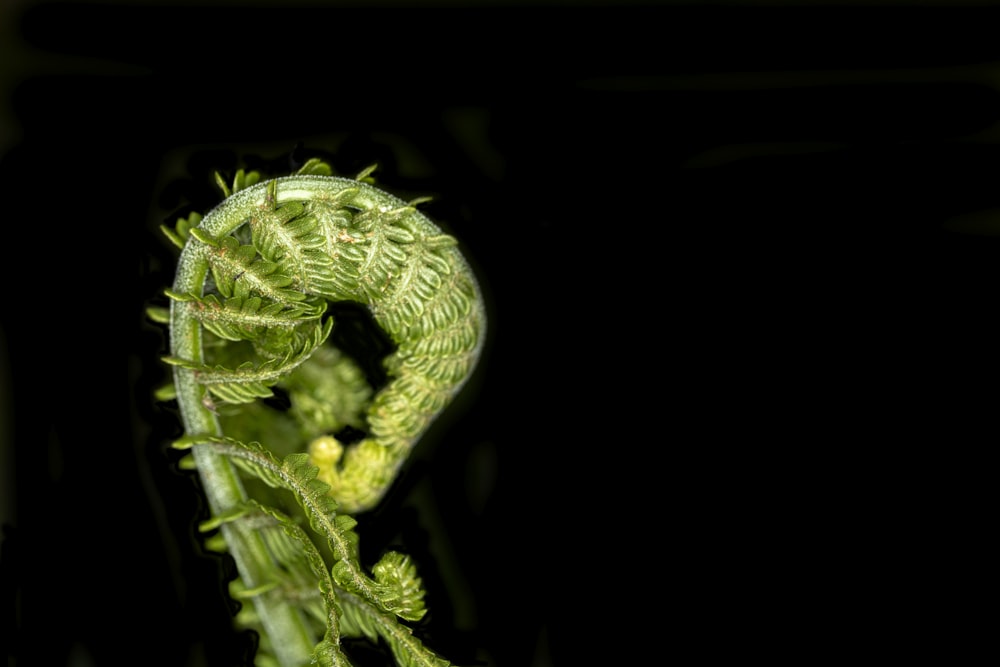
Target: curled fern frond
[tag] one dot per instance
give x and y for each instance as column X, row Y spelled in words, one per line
column 400, row 587
column 249, row 320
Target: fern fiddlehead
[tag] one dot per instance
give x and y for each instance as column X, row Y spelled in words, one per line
column 250, row 313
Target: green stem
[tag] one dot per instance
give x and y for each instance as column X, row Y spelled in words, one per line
column 292, row 641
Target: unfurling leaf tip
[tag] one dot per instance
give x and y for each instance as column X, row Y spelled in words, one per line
column 158, row 314
column 221, row 182
column 315, row 166
column 172, row 235
column 167, row 392
column 365, row 174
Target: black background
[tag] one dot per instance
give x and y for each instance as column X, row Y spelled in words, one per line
column 739, row 260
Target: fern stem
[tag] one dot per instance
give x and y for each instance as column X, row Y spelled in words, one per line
column 292, row 641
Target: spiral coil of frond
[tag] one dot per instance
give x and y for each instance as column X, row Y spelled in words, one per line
column 249, row 314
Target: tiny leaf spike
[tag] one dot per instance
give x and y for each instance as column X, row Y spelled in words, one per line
column 250, row 314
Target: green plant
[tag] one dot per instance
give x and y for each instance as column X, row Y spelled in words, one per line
column 287, row 434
